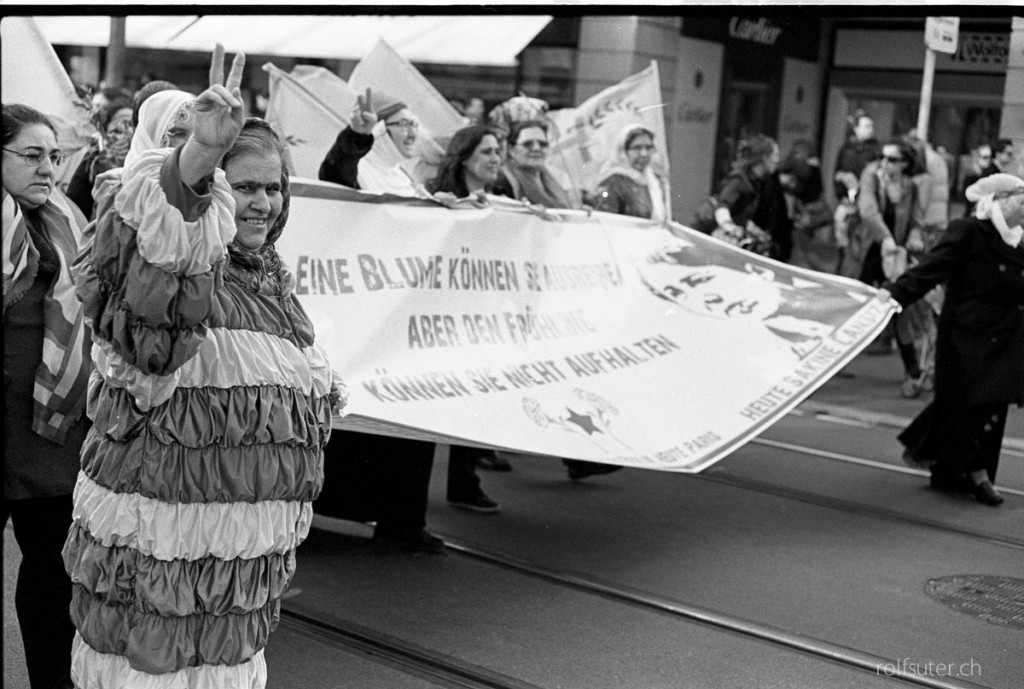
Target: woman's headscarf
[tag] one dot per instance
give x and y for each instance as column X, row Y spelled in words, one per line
column 619, row 164
column 384, row 170
column 156, row 117
column 990, row 193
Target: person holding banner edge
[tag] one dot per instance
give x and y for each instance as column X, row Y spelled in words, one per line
column 979, row 359
column 629, row 185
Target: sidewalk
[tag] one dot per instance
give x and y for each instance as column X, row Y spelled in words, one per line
column 867, row 390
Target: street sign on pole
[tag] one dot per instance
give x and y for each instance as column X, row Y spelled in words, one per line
column 941, row 33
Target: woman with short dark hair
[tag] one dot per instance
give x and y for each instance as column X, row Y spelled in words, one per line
column 46, row 372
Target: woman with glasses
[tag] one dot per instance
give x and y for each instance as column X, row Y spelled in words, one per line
column 110, row 146
column 46, row 371
column 629, row 185
column 525, row 175
column 889, row 238
column 378, row 151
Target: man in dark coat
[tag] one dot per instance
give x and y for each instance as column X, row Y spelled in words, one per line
column 979, row 363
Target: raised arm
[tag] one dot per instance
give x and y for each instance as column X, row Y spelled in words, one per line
column 219, row 116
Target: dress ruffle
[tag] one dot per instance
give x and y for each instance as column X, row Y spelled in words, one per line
column 178, row 588
column 197, row 417
column 93, row 670
column 175, row 473
column 189, row 531
column 165, row 238
column 147, row 391
column 225, row 358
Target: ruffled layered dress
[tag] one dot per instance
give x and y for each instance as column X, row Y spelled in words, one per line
column 210, row 405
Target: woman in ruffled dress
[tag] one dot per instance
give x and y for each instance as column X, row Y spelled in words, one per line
column 211, row 403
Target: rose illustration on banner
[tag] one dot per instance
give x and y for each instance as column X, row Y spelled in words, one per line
column 587, row 414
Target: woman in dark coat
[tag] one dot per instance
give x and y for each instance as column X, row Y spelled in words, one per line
column 980, row 350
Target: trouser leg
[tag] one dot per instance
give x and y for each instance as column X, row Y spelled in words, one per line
column 463, row 481
column 43, row 594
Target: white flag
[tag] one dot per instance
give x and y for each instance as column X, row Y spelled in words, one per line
column 383, row 69
column 584, row 136
column 308, row 108
column 34, row 76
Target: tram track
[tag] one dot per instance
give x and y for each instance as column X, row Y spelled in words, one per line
column 433, row 666
column 717, row 475
column 447, row 671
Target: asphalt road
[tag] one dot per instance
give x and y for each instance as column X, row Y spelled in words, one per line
column 802, row 560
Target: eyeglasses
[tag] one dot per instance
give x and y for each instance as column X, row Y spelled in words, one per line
column 404, row 124
column 530, row 143
column 36, row 159
column 641, row 148
column 894, row 159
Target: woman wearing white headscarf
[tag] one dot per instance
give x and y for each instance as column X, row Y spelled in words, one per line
column 629, row 184
column 378, row 151
column 979, row 359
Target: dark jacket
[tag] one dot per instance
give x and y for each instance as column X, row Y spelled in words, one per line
column 980, row 346
column 341, row 165
column 853, row 157
column 621, row 195
column 741, row 194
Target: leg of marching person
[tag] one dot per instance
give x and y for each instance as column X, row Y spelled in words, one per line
column 464, row 489
column 43, row 594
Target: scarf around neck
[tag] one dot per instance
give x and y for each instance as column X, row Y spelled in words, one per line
column 62, row 377
column 537, row 185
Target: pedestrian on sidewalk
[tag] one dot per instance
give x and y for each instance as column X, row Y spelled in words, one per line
column 980, row 345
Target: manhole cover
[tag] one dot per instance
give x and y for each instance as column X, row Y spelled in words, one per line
column 998, row 600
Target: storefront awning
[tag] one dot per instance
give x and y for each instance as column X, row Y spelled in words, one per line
column 493, row 40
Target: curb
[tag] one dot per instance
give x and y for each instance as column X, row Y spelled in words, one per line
column 881, row 419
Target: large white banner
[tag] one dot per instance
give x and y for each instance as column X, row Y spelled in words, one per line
column 594, row 337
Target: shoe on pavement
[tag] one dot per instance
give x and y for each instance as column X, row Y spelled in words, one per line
column 417, row 541
column 480, row 504
column 494, row 462
column 987, row 494
column 579, row 469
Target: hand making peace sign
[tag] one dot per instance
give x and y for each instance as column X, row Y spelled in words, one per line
column 363, row 116
column 219, row 110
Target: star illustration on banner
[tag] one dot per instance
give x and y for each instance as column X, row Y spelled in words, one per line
column 584, row 421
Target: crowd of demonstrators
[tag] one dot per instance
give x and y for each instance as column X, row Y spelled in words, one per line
column 980, row 354
column 44, row 421
column 197, row 478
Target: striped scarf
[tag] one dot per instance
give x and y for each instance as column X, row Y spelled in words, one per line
column 62, row 377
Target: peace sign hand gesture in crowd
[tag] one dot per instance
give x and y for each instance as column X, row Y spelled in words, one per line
column 363, row 116
column 219, row 114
